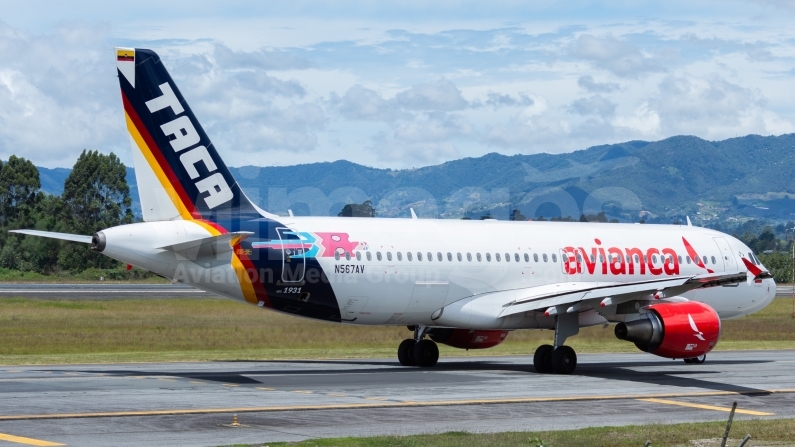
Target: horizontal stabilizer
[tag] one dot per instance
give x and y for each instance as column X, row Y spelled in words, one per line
column 208, row 248
column 54, row 235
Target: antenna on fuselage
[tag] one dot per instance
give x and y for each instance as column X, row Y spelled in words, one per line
column 688, row 221
column 413, row 214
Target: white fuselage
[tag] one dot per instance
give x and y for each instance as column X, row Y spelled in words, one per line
column 403, row 271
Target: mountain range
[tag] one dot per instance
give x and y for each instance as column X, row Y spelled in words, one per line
column 711, row 181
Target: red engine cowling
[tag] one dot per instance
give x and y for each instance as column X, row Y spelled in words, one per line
column 674, row 330
column 468, row 338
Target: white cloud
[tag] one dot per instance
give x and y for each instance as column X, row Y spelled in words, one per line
column 360, row 103
column 617, row 56
column 263, row 59
column 594, row 105
column 413, row 154
column 644, row 122
column 58, row 94
column 443, row 95
column 433, row 127
column 428, row 138
column 497, row 100
column 286, row 83
column 587, row 82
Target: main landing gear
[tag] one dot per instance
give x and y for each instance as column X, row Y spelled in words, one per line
column 559, row 359
column 418, row 352
column 697, row 360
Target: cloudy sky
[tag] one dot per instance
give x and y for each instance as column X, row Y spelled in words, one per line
column 401, row 84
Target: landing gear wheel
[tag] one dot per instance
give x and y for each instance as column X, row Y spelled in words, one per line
column 406, row 352
column 697, row 360
column 688, row 360
column 426, row 353
column 542, row 360
column 564, row 360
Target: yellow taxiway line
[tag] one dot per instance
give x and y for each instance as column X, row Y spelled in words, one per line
column 28, row 441
column 347, row 406
column 706, row 407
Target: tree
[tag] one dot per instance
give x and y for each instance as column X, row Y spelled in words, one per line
column 358, row 210
column 601, row 217
column 516, row 214
column 19, row 183
column 96, row 196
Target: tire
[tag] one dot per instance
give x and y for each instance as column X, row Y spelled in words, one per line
column 700, row 359
column 542, row 360
column 688, row 360
column 564, row 360
column 406, row 352
column 426, row 353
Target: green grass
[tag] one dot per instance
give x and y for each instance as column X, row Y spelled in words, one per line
column 118, row 275
column 36, row 331
column 763, row 432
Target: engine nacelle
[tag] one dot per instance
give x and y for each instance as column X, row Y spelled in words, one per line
column 468, row 338
column 674, row 330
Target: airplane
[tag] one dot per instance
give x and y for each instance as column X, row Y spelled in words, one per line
column 466, row 284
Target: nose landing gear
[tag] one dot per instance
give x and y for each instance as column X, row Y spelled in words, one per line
column 418, row 352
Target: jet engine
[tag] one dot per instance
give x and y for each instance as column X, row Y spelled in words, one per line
column 674, row 330
column 468, row 338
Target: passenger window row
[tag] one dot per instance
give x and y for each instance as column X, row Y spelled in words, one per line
column 517, row 258
column 429, row 257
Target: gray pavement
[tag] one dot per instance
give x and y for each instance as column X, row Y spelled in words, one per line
column 96, row 291
column 192, row 404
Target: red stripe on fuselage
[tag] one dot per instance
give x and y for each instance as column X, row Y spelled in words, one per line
column 259, row 288
column 219, row 228
column 161, row 160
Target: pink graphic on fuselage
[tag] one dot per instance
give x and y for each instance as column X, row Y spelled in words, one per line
column 335, row 242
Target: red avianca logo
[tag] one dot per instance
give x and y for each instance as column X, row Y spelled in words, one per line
column 626, row 261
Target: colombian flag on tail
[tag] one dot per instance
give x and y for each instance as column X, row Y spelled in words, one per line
column 125, row 55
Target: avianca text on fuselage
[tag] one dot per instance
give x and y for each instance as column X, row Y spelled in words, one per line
column 617, row 261
column 184, row 136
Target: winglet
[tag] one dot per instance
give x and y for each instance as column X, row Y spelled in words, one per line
column 413, row 214
column 689, row 224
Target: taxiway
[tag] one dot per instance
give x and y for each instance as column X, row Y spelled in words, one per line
column 193, row 404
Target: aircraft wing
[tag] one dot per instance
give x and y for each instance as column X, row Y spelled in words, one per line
column 560, row 298
column 54, row 235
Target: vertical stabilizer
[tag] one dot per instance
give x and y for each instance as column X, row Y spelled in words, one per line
column 179, row 173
